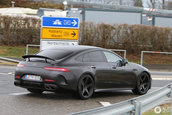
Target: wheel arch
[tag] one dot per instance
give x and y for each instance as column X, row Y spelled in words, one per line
column 92, row 75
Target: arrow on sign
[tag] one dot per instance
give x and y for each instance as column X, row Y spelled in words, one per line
column 73, row 34
column 74, row 22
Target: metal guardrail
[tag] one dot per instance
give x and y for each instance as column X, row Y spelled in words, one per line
column 135, row 106
column 28, row 45
column 8, row 59
column 153, row 52
column 119, row 50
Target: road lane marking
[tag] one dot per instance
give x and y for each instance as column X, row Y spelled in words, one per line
column 162, row 78
column 9, row 73
column 105, row 103
column 3, row 73
column 22, row 93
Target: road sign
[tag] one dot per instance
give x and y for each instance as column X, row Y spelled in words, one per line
column 59, row 33
column 59, row 22
column 54, row 43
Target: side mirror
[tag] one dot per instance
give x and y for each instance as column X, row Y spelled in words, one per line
column 124, row 62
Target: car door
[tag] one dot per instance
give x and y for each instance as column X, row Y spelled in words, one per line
column 120, row 76
column 97, row 64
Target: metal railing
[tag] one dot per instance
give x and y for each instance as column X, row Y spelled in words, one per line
column 153, row 52
column 135, row 106
column 30, row 45
column 119, row 50
column 9, row 59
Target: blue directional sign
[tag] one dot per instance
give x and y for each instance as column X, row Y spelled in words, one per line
column 59, row 22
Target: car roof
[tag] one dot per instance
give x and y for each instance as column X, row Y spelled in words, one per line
column 76, row 48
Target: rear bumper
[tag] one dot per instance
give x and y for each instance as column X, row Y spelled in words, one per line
column 51, row 80
column 36, row 85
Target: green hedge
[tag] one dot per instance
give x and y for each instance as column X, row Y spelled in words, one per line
column 133, row 38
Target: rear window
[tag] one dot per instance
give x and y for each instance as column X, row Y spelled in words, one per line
column 55, row 54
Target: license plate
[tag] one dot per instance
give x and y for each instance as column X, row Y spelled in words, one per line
column 33, row 77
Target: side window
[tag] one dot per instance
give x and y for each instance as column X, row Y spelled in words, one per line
column 86, row 57
column 94, row 56
column 112, row 57
column 80, row 58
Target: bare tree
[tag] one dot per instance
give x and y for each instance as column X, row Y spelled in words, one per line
column 169, row 5
column 163, row 4
column 138, row 3
column 153, row 3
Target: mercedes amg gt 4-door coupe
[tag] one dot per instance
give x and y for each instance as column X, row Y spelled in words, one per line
column 80, row 69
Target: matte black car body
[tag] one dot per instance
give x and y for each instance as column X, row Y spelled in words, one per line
column 76, row 63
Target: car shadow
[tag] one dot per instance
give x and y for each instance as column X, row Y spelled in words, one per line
column 71, row 96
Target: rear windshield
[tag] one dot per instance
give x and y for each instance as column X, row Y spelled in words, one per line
column 55, row 54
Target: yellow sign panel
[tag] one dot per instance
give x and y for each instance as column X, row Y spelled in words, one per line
column 60, row 33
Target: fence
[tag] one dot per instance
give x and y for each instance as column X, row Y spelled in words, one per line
column 32, row 45
column 10, row 60
column 153, row 52
column 135, row 106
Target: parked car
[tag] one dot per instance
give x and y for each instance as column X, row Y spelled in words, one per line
column 81, row 69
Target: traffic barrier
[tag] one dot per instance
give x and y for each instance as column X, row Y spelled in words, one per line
column 119, row 50
column 10, row 60
column 135, row 106
column 153, row 52
column 30, row 45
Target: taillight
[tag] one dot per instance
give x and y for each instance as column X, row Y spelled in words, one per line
column 20, row 65
column 17, row 77
column 49, row 80
column 56, row 69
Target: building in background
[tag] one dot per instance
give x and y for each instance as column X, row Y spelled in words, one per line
column 158, row 4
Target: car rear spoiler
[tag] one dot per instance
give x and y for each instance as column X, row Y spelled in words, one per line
column 37, row 56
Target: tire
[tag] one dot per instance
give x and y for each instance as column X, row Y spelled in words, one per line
column 85, row 88
column 142, row 85
column 36, row 91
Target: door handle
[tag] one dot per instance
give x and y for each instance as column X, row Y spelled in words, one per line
column 94, row 67
column 113, row 67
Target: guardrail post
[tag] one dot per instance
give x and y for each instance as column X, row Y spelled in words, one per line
column 125, row 54
column 170, row 96
column 141, row 60
column 171, row 99
column 138, row 107
column 27, row 49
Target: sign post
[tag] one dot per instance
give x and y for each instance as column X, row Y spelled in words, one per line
column 59, row 31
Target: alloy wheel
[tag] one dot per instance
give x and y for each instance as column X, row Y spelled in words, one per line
column 86, row 87
column 144, row 83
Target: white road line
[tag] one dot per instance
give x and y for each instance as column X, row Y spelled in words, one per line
column 3, row 73
column 22, row 93
column 9, row 73
column 162, row 78
column 105, row 103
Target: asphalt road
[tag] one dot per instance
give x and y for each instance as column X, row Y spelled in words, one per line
column 17, row 101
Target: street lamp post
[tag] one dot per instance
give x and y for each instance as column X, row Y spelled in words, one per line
column 65, row 5
column 12, row 2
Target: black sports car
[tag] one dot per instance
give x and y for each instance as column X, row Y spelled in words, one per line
column 81, row 69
